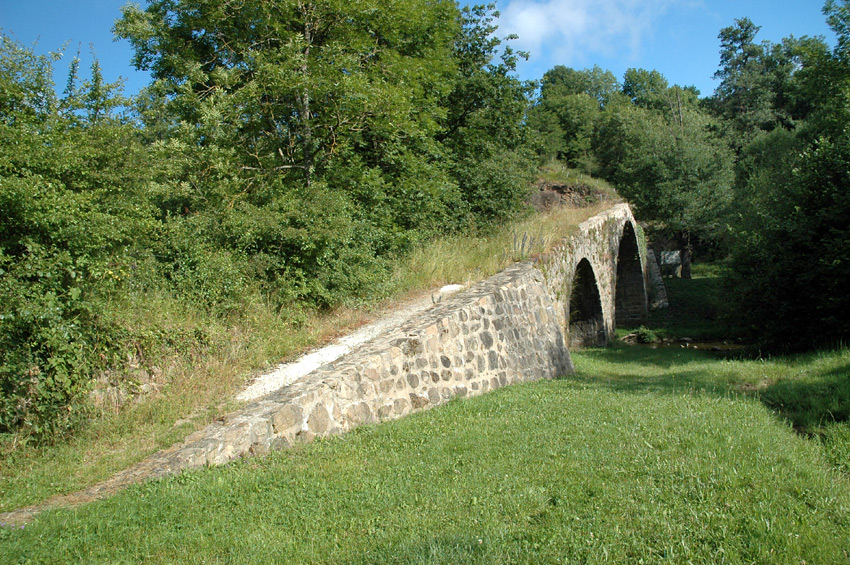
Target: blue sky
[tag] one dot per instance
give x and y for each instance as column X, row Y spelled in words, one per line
column 676, row 37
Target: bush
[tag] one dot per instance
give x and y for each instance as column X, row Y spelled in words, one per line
column 498, row 186
column 789, row 263
column 645, row 335
column 47, row 341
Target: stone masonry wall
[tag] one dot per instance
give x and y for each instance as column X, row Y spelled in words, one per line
column 498, row 332
column 598, row 241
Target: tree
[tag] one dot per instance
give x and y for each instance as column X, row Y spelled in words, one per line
column 662, row 152
column 791, row 232
column 484, row 129
column 294, row 84
column 69, row 172
column 758, row 89
column 567, row 110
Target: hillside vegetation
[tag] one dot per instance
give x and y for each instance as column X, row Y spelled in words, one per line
column 286, row 156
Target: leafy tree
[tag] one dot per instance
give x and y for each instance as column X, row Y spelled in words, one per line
column 293, row 84
column 273, row 103
column 758, row 89
column 670, row 164
column 649, row 89
column 484, row 128
column 567, row 112
column 68, row 177
column 791, row 233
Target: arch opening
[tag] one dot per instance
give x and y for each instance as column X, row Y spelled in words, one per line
column 586, row 319
column 630, row 301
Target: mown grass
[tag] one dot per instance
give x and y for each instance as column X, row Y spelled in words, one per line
column 644, row 455
column 695, row 309
column 198, row 384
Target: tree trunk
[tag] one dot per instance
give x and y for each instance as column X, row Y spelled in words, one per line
column 304, row 110
column 685, row 249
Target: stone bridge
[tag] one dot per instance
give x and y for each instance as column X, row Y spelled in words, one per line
column 518, row 325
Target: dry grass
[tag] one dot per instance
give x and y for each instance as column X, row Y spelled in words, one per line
column 468, row 258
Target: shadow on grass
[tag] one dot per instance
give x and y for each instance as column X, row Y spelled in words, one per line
column 694, row 310
column 813, row 400
column 809, row 394
column 666, row 370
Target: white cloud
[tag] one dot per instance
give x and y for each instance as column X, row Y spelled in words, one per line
column 574, row 31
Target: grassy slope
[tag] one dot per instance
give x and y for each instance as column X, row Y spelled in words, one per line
column 652, row 454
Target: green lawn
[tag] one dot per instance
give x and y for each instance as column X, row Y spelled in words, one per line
column 668, row 454
column 582, row 469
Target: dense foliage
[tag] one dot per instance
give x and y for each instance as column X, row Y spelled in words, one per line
column 654, row 142
column 789, row 250
column 285, row 153
column 758, row 170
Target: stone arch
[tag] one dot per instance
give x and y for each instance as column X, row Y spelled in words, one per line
column 630, row 302
column 586, row 319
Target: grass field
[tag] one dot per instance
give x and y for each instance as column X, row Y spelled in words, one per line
column 646, row 455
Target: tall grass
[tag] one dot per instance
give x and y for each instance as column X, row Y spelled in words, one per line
column 472, row 257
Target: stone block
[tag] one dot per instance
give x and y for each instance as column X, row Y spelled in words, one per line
column 401, row 406
column 319, row 421
column 486, row 340
column 418, row 401
column 493, row 360
column 372, row 374
column 258, row 449
column 359, row 413
column 280, row 442
column 413, row 380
